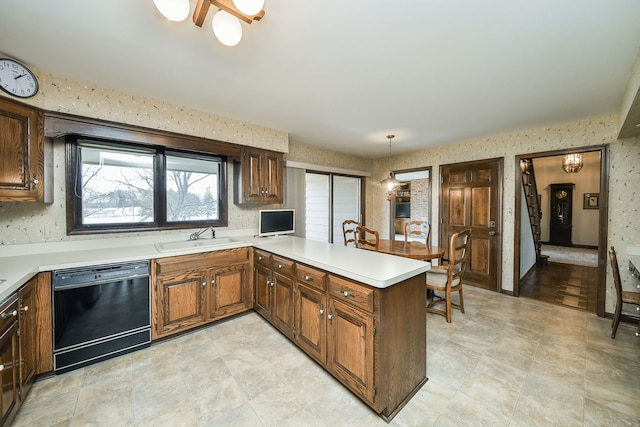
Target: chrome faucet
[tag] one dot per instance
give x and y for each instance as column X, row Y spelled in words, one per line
column 197, row 234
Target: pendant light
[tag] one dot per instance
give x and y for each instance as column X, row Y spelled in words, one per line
column 572, row 163
column 390, row 181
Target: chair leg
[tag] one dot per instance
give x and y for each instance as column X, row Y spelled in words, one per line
column 616, row 320
column 461, row 300
column 448, row 306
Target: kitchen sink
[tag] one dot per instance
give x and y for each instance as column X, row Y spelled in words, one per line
column 192, row 244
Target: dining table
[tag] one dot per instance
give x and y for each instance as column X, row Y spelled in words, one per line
column 411, row 249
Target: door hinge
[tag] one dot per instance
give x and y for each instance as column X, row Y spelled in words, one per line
column 374, row 330
column 374, row 391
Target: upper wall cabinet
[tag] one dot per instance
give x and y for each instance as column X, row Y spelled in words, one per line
column 24, row 158
column 259, row 177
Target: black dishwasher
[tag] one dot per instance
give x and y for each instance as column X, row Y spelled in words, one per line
column 99, row 312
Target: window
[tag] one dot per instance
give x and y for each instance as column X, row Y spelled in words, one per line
column 119, row 187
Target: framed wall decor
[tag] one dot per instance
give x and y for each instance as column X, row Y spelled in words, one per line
column 591, row 201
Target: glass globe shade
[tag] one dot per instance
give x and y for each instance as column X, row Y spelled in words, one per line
column 249, row 7
column 226, row 28
column 173, row 10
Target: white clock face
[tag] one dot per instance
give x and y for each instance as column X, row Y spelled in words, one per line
column 16, row 79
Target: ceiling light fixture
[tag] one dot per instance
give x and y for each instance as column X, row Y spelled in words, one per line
column 225, row 23
column 173, row 10
column 390, row 181
column 572, row 163
column 249, row 7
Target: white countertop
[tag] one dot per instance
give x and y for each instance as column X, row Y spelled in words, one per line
column 18, row 264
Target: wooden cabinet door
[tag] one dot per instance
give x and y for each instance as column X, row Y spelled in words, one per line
column 228, row 291
column 21, row 153
column 282, row 314
column 262, row 177
column 350, row 348
column 27, row 326
column 272, row 176
column 310, row 322
column 9, row 372
column 262, row 289
column 180, row 302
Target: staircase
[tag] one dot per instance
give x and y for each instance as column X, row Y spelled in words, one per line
column 533, row 206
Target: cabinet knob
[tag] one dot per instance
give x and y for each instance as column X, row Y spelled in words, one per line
column 347, row 293
column 204, row 283
column 280, row 266
column 259, row 258
column 24, row 309
column 213, row 282
column 270, row 282
column 35, row 182
column 308, row 278
column 9, row 314
column 492, row 233
column 1, row 368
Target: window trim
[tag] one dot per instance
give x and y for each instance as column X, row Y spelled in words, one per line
column 74, row 203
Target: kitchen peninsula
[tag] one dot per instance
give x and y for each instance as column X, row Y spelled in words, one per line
column 370, row 332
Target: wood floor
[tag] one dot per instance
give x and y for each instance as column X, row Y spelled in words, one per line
column 566, row 285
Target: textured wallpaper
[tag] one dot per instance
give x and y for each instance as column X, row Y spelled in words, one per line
column 624, row 184
column 31, row 222
column 82, row 99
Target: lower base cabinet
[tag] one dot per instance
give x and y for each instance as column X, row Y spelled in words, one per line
column 351, row 336
column 9, row 358
column 372, row 340
column 191, row 290
column 26, row 347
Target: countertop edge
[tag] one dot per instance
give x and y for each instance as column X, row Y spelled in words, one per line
column 317, row 254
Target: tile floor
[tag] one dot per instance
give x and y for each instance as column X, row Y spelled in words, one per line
column 505, row 362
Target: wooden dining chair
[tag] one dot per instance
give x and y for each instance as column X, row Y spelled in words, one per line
column 367, row 237
column 417, row 228
column 349, row 227
column 622, row 297
column 447, row 279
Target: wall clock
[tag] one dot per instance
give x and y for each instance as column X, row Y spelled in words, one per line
column 16, row 79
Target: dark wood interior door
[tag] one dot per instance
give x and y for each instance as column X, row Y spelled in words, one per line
column 471, row 197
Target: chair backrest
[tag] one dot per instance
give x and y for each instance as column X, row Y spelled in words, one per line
column 458, row 251
column 367, row 237
column 349, row 231
column 417, row 228
column 616, row 275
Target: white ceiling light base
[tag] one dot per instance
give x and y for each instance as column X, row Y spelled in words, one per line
column 173, row 10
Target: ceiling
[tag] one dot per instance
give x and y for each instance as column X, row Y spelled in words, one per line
column 344, row 74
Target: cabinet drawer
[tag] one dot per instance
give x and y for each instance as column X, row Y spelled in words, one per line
column 201, row 261
column 8, row 312
column 227, row 257
column 351, row 292
column 262, row 258
column 282, row 265
column 311, row 276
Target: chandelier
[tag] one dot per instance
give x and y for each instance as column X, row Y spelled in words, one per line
column 390, row 181
column 572, row 163
column 225, row 23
